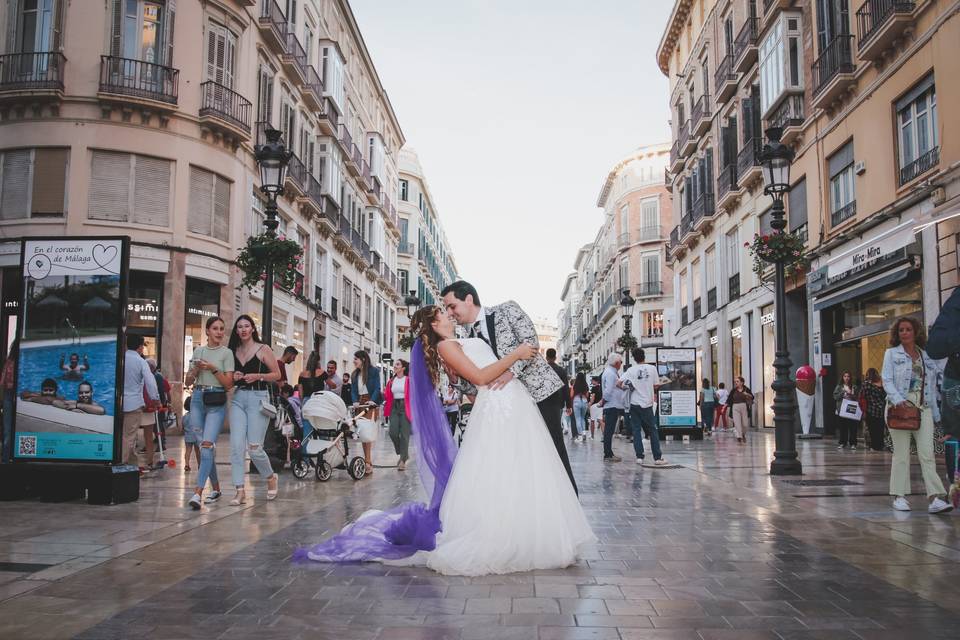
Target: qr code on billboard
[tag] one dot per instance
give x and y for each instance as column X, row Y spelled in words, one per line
column 27, row 446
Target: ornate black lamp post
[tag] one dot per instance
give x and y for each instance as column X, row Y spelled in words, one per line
column 626, row 303
column 272, row 158
column 413, row 303
column 776, row 158
column 583, row 351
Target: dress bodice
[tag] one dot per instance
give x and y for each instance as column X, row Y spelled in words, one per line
column 479, row 352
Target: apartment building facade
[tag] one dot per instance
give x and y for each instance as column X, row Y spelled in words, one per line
column 628, row 252
column 854, row 90
column 425, row 263
column 139, row 118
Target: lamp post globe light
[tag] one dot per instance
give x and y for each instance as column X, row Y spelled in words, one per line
column 776, row 158
column 412, row 302
column 626, row 304
column 272, row 158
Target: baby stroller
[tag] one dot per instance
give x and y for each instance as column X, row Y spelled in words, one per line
column 327, row 447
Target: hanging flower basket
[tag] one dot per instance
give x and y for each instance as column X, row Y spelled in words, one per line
column 406, row 342
column 262, row 251
column 584, row 367
column 775, row 247
column 627, row 342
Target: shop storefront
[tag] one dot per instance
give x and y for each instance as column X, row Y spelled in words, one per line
column 202, row 302
column 736, row 351
column 768, row 352
column 145, row 309
column 12, row 293
column 714, row 357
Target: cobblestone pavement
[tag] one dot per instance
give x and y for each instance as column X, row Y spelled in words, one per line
column 711, row 550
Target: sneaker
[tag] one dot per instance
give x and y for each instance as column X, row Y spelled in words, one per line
column 213, row 497
column 840, row 447
column 939, row 506
column 660, row 463
column 195, row 502
column 853, row 447
column 613, row 459
column 639, row 460
column 901, row 504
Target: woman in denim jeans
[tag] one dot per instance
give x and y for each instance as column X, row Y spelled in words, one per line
column 211, row 372
column 255, row 369
column 910, row 378
column 581, row 400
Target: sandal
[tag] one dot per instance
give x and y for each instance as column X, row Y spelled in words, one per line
column 272, row 493
column 239, row 499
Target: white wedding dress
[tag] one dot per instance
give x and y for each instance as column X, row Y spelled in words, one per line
column 508, row 505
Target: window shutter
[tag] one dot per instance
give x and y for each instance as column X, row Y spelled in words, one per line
column 116, row 28
column 212, row 52
column 746, row 109
column 151, row 191
column 49, row 182
column 14, row 193
column 221, row 209
column 168, row 32
column 724, row 134
column 229, row 57
column 709, row 171
column 109, row 197
column 199, row 214
column 797, row 205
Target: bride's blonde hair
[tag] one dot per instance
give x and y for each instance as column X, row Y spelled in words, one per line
column 422, row 326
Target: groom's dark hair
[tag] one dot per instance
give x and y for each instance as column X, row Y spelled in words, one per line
column 460, row 289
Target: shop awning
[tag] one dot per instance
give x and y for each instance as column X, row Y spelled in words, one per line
column 865, row 286
column 880, row 245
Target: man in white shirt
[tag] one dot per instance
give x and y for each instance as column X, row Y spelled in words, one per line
column 136, row 377
column 641, row 379
column 613, row 403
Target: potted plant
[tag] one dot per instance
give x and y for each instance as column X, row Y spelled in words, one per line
column 777, row 246
column 262, row 251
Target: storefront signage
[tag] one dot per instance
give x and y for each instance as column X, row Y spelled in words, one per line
column 736, row 332
column 677, row 391
column 714, row 339
column 68, row 384
column 766, row 319
column 867, row 253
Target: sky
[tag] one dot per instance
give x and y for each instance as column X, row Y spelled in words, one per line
column 518, row 110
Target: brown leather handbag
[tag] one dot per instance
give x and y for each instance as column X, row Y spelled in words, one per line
column 904, row 418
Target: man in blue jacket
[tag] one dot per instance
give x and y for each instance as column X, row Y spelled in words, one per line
column 944, row 342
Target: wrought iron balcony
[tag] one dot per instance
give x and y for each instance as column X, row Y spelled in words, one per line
column 700, row 118
column 789, row 117
column 703, row 207
column 294, row 57
column 296, row 177
column 748, row 161
column 346, row 142
column 225, row 108
column 650, row 289
column 920, row 166
column 35, row 73
column 312, row 88
column 845, row 212
column 406, row 247
column 725, row 80
column 313, row 194
column 273, row 25
column 676, row 162
column 879, row 24
column 674, row 239
column 651, row 233
column 139, row 80
column 688, row 144
column 686, row 225
column 328, row 118
column 833, row 70
column 745, row 46
column 727, row 184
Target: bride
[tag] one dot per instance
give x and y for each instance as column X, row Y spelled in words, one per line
column 503, row 504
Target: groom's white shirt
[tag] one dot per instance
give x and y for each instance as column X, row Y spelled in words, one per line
column 482, row 327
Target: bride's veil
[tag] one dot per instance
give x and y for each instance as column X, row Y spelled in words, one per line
column 413, row 526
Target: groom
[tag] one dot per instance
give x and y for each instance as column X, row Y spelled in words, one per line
column 504, row 327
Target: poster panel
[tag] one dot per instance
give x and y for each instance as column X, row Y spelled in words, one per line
column 677, row 393
column 69, row 367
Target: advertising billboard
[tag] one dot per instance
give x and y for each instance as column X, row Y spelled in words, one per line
column 677, row 391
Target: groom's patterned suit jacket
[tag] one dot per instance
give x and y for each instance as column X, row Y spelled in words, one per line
column 508, row 325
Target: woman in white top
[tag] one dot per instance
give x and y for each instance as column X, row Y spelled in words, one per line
column 397, row 411
column 720, row 411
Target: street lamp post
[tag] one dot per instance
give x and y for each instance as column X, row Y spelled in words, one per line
column 776, row 158
column 583, row 351
column 626, row 303
column 272, row 158
column 412, row 302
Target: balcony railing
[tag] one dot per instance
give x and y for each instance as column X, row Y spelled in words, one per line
column 297, row 172
column 273, row 20
column 683, row 136
column 623, row 240
column 225, row 104
column 727, row 180
column 139, row 79
column 686, row 224
column 39, row 71
column 675, row 154
column 746, row 41
column 733, row 286
column 874, row 14
column 650, row 288
column 674, row 238
column 711, row 299
column 919, row 166
column 406, row 247
column 346, row 140
column 837, row 58
column 313, row 83
column 845, row 212
column 748, row 157
column 725, row 79
column 295, row 53
column 788, row 114
column 314, row 190
column 651, row 233
column 700, row 118
column 703, row 207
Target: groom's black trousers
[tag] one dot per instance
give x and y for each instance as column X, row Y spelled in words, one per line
column 552, row 411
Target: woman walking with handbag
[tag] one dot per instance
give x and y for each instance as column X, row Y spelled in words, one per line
column 847, row 425
column 211, row 374
column 910, row 380
column 740, row 401
column 365, row 388
column 255, row 370
column 397, row 410
column 580, row 395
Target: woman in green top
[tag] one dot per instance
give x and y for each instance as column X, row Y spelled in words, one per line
column 211, row 374
column 708, row 400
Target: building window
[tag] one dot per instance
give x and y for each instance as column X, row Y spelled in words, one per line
column 221, row 55
column 404, row 277
column 650, row 272
column 684, row 302
column 125, row 187
column 714, row 357
column 797, row 208
column 33, row 183
column 405, row 190
column 356, row 304
column 347, row 297
column 736, row 349
column 710, row 275
column 843, row 201
column 732, row 251
column 625, row 273
column 653, row 324
column 265, row 93
column 202, row 302
column 209, row 209
column 780, row 61
column 144, row 310
column 142, row 30
column 650, row 219
column 367, row 309
column 917, row 130
column 319, row 275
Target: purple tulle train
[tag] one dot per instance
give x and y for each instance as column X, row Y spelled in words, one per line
column 402, row 531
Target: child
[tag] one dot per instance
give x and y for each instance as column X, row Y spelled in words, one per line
column 192, row 435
